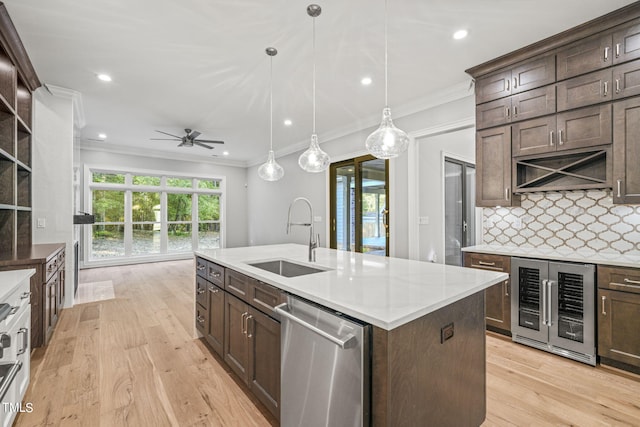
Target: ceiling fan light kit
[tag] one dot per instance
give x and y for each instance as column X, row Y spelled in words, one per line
column 314, row 159
column 271, row 170
column 387, row 141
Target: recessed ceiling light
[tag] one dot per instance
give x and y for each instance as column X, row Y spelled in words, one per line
column 225, row 153
column 366, row 81
column 460, row 34
column 102, row 135
column 104, row 77
column 288, row 122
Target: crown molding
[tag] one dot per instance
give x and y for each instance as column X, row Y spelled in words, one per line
column 79, row 120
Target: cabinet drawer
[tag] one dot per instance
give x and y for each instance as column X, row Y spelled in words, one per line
column 61, row 258
column 215, row 274
column 201, row 267
column 488, row 261
column 534, row 136
column 493, row 113
column 626, row 80
column 533, row 103
column 264, row 296
column 619, row 279
column 201, row 291
column 626, row 44
column 201, row 319
column 586, row 127
column 590, row 54
column 237, row 284
column 52, row 267
column 585, row 90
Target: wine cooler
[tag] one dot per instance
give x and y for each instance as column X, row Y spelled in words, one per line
column 552, row 307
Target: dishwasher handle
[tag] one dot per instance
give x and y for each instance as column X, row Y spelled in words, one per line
column 282, row 310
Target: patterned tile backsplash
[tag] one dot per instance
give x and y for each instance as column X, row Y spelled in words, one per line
column 584, row 220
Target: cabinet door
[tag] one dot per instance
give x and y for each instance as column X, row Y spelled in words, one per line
column 590, row 54
column 60, row 290
column 585, row 127
column 533, row 103
column 590, row 89
column 215, row 322
column 201, row 291
column 534, row 136
column 201, row 319
column 626, row 80
column 493, row 159
column 493, row 86
column 533, row 74
column 626, row 151
column 618, row 326
column 236, row 344
column 493, row 113
column 264, row 359
column 626, row 44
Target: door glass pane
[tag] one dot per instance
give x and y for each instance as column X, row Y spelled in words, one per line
column 179, row 237
column 108, row 206
column 146, row 238
column 145, row 206
column 178, row 207
column 571, row 306
column 345, row 208
column 208, row 207
column 107, row 240
column 470, row 206
column 208, row 235
column 529, row 301
column 453, row 213
column 374, row 207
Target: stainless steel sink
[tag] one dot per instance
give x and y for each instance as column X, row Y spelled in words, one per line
column 286, row 268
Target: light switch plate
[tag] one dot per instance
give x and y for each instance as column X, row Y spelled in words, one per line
column 41, row 223
column 423, row 220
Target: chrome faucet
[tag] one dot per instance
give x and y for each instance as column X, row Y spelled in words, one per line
column 314, row 241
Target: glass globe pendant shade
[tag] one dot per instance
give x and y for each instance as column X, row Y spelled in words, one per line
column 387, row 141
column 314, row 159
column 270, row 170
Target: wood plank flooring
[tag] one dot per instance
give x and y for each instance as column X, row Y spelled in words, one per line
column 134, row 361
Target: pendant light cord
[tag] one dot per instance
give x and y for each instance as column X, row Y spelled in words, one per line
column 271, row 103
column 314, row 75
column 386, row 60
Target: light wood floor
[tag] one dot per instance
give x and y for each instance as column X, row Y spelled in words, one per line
column 133, row 361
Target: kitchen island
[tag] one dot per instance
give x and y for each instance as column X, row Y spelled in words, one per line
column 427, row 352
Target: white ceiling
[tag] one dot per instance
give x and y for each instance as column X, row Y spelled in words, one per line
column 201, row 63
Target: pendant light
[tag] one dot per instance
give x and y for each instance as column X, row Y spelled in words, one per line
column 387, row 141
column 314, row 159
column 271, row 170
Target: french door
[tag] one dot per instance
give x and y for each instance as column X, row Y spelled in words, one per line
column 360, row 205
column 459, row 208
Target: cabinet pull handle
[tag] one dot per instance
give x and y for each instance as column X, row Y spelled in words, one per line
column 506, row 111
column 515, row 111
column 560, row 141
column 508, row 83
column 515, row 82
column 200, row 291
column 200, row 319
column 213, row 290
column 250, row 334
column 551, row 139
column 617, row 85
column 604, row 298
column 619, row 184
column 606, row 88
column 25, row 295
column 606, row 54
column 617, row 50
column 216, row 274
column 25, row 340
column 506, row 288
column 243, row 324
column 200, row 267
column 506, row 193
column 631, row 281
column 492, row 264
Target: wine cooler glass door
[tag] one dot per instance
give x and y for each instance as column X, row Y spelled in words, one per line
column 529, row 308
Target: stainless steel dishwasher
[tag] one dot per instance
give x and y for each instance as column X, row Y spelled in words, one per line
column 325, row 367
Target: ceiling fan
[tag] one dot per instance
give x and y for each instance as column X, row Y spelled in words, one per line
column 188, row 140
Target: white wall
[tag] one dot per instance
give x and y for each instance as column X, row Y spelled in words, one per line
column 269, row 201
column 236, row 191
column 52, row 185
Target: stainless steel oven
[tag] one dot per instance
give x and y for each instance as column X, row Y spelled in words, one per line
column 553, row 307
column 15, row 325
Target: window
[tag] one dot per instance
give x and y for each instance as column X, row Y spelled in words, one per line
column 152, row 215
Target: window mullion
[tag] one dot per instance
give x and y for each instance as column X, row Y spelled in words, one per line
column 163, row 222
column 128, row 226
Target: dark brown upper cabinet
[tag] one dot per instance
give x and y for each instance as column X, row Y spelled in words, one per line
column 522, row 106
column 626, row 151
column 583, row 56
column 586, row 127
column 585, row 90
column 626, row 44
column 520, row 78
column 626, row 80
column 493, row 160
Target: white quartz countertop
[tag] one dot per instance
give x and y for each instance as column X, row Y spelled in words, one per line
column 9, row 280
column 585, row 256
column 386, row 292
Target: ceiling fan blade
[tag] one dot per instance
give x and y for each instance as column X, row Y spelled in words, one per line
column 210, row 141
column 175, row 136
column 194, row 134
column 162, row 139
column 202, row 145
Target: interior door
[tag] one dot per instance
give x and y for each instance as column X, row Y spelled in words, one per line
column 459, row 210
column 360, row 205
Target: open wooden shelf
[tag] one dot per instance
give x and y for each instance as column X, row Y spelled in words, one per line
column 23, row 188
column 7, row 225
column 6, row 182
column 7, row 133
column 582, row 169
column 24, row 104
column 8, row 80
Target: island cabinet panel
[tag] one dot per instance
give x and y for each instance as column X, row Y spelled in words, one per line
column 214, row 334
column 626, row 151
column 619, row 317
column 497, row 297
column 237, row 284
column 438, row 360
column 236, row 345
column 263, row 333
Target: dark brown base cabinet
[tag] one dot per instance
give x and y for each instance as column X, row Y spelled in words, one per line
column 47, row 286
column 233, row 315
column 619, row 317
column 497, row 297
